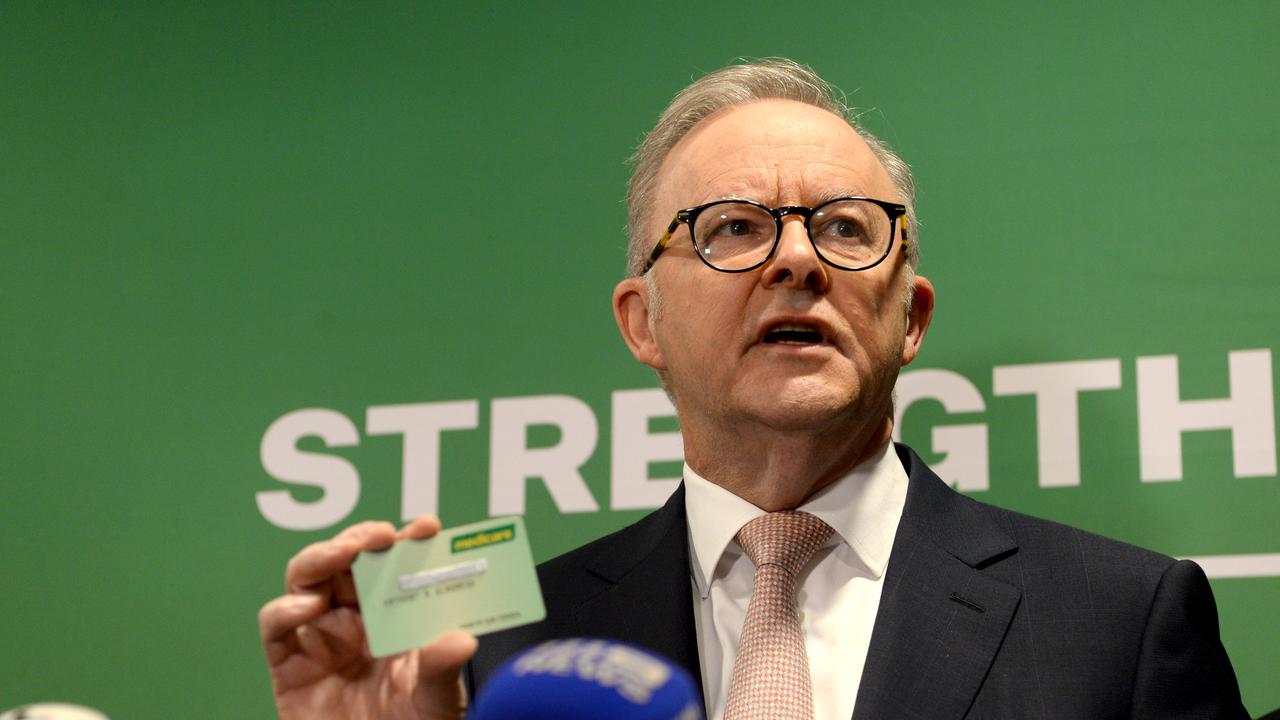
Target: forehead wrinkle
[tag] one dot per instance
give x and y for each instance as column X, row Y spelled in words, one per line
column 739, row 184
column 809, row 184
column 781, row 183
column 828, row 182
column 797, row 171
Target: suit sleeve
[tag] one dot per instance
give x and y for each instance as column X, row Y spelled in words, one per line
column 1183, row 670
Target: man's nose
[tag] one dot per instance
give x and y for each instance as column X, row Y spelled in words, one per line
column 795, row 264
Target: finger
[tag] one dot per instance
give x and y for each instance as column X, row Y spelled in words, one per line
column 332, row 643
column 312, row 642
column 442, row 659
column 320, row 562
column 344, row 631
column 344, row 591
column 343, row 588
column 422, row 527
column 371, row 534
column 440, row 691
column 280, row 617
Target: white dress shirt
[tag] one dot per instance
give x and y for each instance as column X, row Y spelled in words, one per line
column 838, row 592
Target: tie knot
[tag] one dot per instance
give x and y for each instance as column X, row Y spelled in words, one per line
column 786, row 538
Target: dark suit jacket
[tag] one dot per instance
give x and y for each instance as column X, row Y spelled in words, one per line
column 985, row 613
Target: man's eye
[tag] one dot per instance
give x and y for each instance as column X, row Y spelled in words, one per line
column 846, row 229
column 849, row 229
column 736, row 227
column 842, row 230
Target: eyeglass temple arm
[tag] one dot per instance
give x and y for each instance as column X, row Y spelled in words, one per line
column 662, row 244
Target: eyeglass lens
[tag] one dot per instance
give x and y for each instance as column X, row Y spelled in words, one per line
column 852, row 234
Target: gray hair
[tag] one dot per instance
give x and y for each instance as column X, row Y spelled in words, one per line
column 765, row 79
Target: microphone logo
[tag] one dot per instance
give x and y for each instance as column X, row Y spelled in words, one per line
column 588, row 679
column 634, row 674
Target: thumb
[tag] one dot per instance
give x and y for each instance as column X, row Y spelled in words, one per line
column 440, row 690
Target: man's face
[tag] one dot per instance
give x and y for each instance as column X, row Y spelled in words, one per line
column 712, row 337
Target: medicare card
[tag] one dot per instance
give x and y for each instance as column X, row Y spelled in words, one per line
column 478, row 577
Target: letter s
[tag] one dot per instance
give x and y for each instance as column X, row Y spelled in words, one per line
column 283, row 461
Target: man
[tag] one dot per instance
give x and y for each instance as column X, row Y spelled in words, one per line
column 772, row 287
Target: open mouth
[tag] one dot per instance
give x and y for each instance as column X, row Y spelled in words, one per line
column 793, row 334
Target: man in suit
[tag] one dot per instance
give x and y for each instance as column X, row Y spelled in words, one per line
column 807, row 566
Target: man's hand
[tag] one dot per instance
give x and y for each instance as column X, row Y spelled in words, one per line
column 316, row 648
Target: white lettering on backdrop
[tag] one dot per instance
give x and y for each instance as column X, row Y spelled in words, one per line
column 1056, row 387
column 335, row 476
column 1163, row 416
column 1249, row 413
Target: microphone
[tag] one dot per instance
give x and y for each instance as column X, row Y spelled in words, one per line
column 588, row 679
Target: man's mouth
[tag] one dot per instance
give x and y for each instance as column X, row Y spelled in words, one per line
column 793, row 334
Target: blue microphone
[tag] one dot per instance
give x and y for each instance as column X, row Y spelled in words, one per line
column 588, row 679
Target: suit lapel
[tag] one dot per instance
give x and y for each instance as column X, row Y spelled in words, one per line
column 941, row 619
column 647, row 594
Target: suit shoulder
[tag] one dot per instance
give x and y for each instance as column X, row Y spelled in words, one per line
column 1038, row 535
column 1057, row 560
column 607, row 559
column 1153, row 613
column 988, row 537
column 586, row 555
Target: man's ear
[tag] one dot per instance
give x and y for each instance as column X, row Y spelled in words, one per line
column 919, row 318
column 631, row 311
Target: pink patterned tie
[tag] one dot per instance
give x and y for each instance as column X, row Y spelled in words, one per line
column 771, row 673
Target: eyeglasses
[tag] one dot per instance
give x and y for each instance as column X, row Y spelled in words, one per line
column 850, row 233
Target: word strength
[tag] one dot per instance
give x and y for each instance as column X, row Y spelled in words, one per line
column 1164, row 415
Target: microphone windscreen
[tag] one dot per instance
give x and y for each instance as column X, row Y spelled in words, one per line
column 588, row 679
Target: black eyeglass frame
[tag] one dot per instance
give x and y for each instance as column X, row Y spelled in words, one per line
column 689, row 216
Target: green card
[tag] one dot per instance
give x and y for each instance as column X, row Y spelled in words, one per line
column 478, row 577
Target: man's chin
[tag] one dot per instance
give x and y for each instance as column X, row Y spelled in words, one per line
column 800, row 404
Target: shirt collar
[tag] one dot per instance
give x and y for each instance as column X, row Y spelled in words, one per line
column 863, row 507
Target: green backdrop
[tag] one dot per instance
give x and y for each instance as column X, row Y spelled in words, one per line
column 213, row 215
